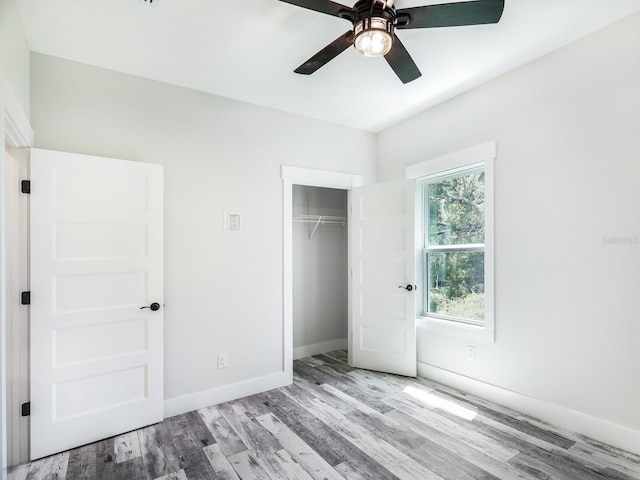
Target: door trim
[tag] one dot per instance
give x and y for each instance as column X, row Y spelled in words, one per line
column 15, row 132
column 311, row 178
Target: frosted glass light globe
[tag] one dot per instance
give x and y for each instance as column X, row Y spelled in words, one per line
column 373, row 37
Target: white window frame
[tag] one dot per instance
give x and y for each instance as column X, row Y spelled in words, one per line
column 448, row 164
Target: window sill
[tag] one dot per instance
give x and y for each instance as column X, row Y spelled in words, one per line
column 460, row 330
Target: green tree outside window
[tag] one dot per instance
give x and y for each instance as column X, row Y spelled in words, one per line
column 454, row 246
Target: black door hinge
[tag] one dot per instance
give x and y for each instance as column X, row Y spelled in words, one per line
column 26, row 409
column 25, row 298
column 26, row 186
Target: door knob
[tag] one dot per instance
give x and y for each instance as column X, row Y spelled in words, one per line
column 408, row 288
column 154, row 306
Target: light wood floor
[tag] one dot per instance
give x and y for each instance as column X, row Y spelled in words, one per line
column 336, row 422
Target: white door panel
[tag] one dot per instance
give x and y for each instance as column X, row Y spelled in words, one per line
column 96, row 259
column 382, row 257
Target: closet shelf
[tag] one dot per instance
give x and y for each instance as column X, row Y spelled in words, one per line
column 319, row 220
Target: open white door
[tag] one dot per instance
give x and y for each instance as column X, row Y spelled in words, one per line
column 383, row 319
column 96, row 259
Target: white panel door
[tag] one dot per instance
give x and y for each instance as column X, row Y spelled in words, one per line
column 383, row 320
column 96, row 260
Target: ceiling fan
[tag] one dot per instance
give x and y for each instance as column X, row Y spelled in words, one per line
column 375, row 21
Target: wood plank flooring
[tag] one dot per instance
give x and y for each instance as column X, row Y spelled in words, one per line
column 336, row 422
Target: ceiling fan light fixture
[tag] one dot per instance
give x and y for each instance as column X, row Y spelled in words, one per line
column 374, row 36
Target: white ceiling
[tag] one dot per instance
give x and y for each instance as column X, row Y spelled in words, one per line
column 248, row 49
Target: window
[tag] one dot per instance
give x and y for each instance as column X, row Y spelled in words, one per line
column 453, row 248
column 455, row 216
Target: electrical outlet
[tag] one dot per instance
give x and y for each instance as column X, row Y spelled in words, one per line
column 234, row 222
column 223, row 360
column 231, row 222
column 471, row 352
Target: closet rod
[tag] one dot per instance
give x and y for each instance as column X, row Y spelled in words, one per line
column 319, row 220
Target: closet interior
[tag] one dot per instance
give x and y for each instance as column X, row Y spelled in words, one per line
column 320, row 270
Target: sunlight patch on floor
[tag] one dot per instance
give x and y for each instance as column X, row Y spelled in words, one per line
column 442, row 403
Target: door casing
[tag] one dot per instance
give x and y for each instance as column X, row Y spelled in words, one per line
column 313, row 178
column 15, row 133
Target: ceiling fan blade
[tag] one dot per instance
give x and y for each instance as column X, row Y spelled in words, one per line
column 327, row 54
column 401, row 62
column 325, row 6
column 477, row 12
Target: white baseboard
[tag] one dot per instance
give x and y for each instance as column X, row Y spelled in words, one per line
column 213, row 396
column 319, row 348
column 596, row 428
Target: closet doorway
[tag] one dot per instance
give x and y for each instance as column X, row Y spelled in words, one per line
column 299, row 176
column 320, row 270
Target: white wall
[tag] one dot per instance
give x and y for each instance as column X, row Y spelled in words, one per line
column 223, row 293
column 319, row 273
column 14, row 53
column 567, row 174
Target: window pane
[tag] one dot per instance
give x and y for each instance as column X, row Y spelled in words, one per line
column 456, row 284
column 456, row 210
